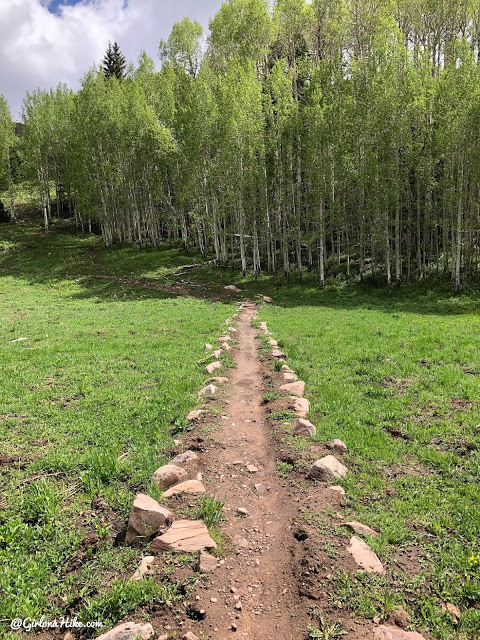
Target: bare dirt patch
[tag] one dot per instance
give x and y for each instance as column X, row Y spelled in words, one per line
column 471, row 372
column 398, row 433
column 463, row 404
column 408, row 560
column 67, row 402
column 400, row 385
column 186, row 288
column 427, row 414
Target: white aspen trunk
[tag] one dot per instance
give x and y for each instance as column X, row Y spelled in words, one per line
column 387, row 256
column 321, row 257
column 43, row 198
column 285, row 247
column 298, row 207
column 347, row 238
column 12, row 203
column 458, row 233
column 299, row 254
column 398, row 274
column 361, row 265
column 268, row 229
column 216, row 241
column 256, row 252
column 47, row 190
column 419, row 236
column 11, row 189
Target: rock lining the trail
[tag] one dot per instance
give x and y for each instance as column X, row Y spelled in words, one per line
column 364, row 556
column 338, row 445
column 184, row 458
column 209, row 390
column 184, row 535
column 146, row 518
column 326, row 469
column 168, row 475
column 304, row 429
column 399, row 617
column 360, row 529
column 294, row 388
column 276, row 353
column 189, row 486
column 212, row 367
column 301, row 406
column 208, row 347
column 145, row 568
column 289, row 375
column 217, row 380
column 338, row 489
column 231, row 287
column 196, row 414
column 129, row 631
column 452, row 609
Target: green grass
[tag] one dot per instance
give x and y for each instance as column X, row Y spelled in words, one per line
column 396, row 375
column 210, row 510
column 109, row 371
column 89, row 402
column 284, row 469
column 326, row 629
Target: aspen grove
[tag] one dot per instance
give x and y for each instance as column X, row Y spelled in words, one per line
column 336, row 137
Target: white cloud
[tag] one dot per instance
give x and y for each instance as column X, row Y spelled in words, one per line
column 40, row 49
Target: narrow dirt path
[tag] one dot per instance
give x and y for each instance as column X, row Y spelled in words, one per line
column 254, row 594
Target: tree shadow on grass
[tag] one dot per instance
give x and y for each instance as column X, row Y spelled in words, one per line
column 63, row 254
column 431, row 296
column 110, row 274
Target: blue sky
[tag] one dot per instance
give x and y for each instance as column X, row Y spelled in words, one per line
column 55, row 4
column 44, row 42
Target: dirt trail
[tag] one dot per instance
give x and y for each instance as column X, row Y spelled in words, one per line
column 255, row 590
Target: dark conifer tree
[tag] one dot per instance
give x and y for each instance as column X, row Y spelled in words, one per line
column 114, row 62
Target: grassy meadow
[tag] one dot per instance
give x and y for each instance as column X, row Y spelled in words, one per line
column 102, row 377
column 90, row 399
column 396, row 375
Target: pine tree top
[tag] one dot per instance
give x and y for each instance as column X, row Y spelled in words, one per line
column 114, row 63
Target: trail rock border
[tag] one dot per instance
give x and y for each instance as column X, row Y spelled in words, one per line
column 265, row 576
